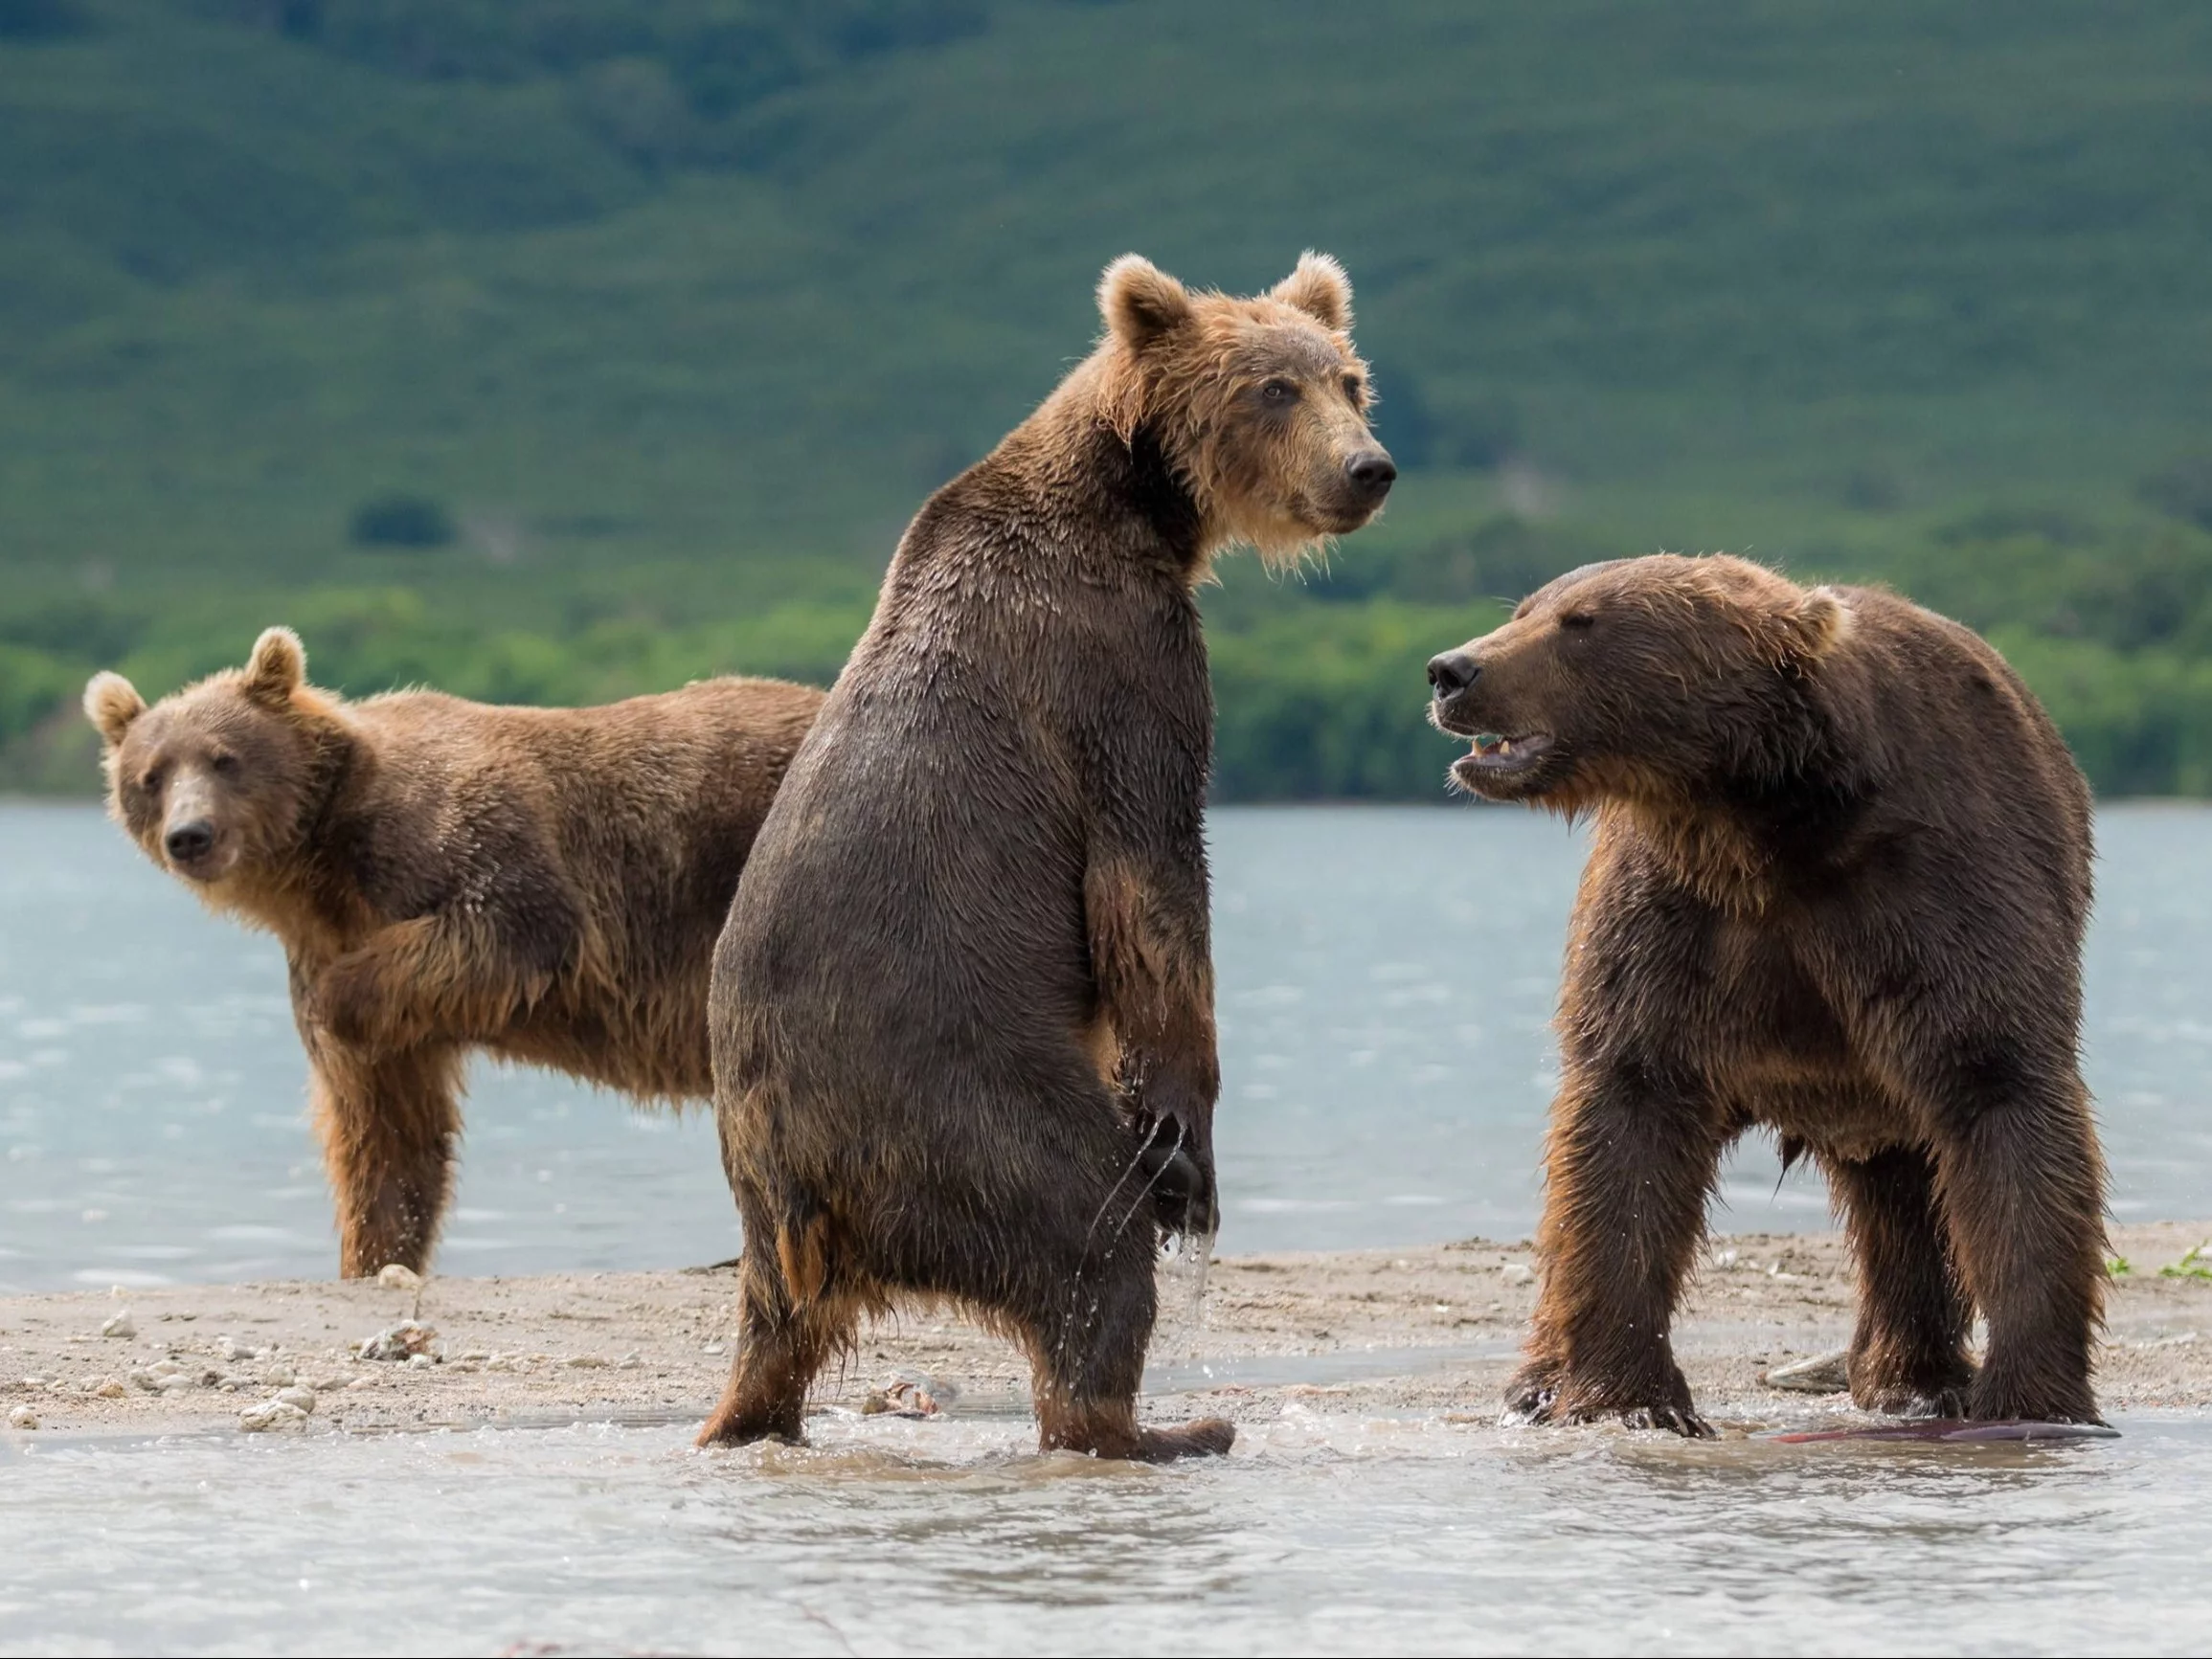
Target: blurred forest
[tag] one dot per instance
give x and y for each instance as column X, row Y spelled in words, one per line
column 558, row 351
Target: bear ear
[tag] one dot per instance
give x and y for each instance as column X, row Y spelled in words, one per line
column 1140, row 301
column 1319, row 288
column 1816, row 624
column 111, row 703
column 278, row 666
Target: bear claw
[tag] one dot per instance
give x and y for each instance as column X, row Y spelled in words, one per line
column 1913, row 1402
column 1527, row 1406
column 1674, row 1419
column 1540, row 1395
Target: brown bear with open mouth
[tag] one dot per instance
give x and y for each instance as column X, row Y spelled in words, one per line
column 964, row 1010
column 544, row 885
column 1837, row 888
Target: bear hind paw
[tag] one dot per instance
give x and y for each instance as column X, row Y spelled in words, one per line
column 1207, row 1437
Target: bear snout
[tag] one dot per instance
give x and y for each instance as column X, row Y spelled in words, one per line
column 1451, row 673
column 1372, row 472
column 188, row 843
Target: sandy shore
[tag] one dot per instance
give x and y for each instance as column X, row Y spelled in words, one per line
column 1432, row 1330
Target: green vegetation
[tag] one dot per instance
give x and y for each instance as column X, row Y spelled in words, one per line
column 2196, row 1263
column 565, row 350
column 402, row 521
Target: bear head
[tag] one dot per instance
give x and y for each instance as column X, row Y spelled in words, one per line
column 220, row 782
column 1259, row 405
column 1647, row 677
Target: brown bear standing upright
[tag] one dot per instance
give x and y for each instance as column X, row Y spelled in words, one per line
column 1838, row 887
column 545, row 885
column 964, row 1010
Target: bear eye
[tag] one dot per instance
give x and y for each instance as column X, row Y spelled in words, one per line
column 1279, row 392
column 1576, row 620
column 152, row 781
column 225, row 764
column 1356, row 390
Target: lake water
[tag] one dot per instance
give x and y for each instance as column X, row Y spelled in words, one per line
column 1321, row 1532
column 1387, row 978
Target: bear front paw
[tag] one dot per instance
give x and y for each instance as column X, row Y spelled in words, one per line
column 2000, row 1398
column 1545, row 1392
column 1181, row 1185
column 1533, row 1394
column 1904, row 1400
column 1902, row 1384
column 1679, row 1420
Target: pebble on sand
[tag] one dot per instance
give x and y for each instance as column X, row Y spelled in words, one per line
column 23, row 1417
column 271, row 1414
column 119, row 1324
column 393, row 1276
column 170, row 1376
column 401, row 1342
column 1517, row 1273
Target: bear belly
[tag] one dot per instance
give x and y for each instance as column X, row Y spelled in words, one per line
column 1834, row 1111
column 1787, row 1062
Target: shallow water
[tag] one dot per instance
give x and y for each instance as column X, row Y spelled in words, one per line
column 1387, row 978
column 1321, row 1531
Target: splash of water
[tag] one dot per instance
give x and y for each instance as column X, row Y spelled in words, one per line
column 1181, row 1275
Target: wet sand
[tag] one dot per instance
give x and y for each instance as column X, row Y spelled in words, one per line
column 1430, row 1330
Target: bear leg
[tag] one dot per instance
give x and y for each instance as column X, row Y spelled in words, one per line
column 782, row 1343
column 2022, row 1188
column 1631, row 1155
column 1071, row 1277
column 1087, row 1349
column 388, row 1124
column 1909, row 1353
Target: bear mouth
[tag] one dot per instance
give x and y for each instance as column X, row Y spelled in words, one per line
column 1496, row 755
column 1343, row 518
column 205, row 868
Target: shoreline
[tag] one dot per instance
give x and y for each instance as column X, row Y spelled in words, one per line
column 1433, row 1331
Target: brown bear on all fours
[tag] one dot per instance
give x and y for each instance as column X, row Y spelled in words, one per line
column 1838, row 887
column 963, row 1011
column 544, row 885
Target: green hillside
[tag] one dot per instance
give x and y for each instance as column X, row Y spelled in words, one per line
column 558, row 349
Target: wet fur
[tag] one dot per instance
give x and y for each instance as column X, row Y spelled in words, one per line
column 544, row 886
column 1837, row 888
column 963, row 1013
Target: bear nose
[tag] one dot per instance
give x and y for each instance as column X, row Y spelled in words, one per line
column 189, row 840
column 1452, row 672
column 1372, row 470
